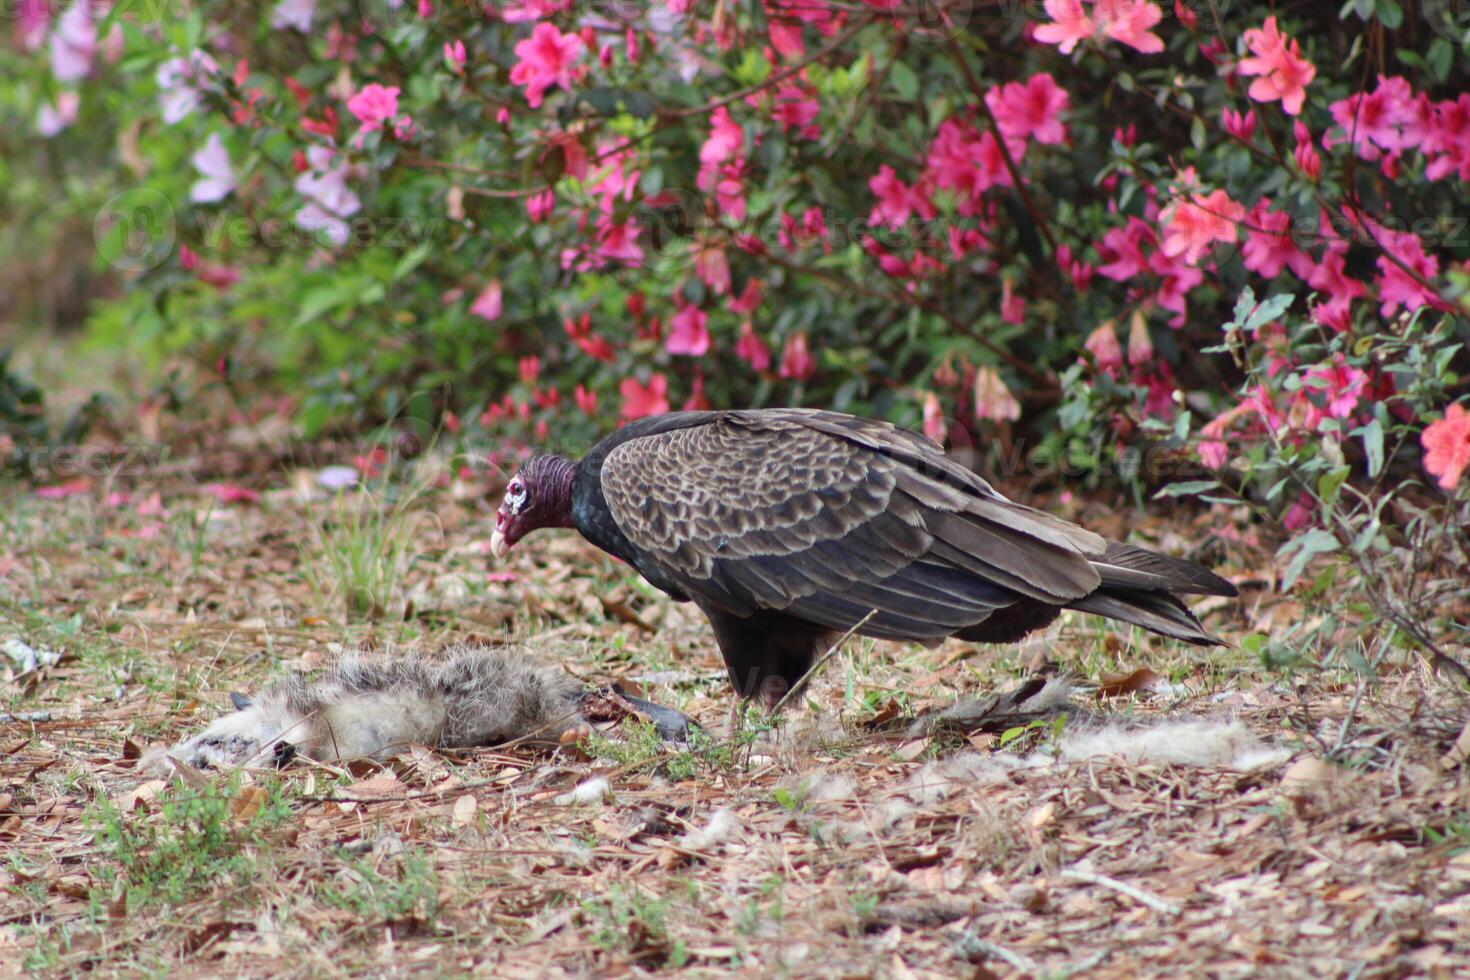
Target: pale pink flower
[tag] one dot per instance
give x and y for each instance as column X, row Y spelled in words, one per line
column 1278, row 66
column 1070, row 24
column 73, row 43
column 489, row 304
column 295, row 14
column 53, row 117
column 1447, row 447
column 217, row 176
column 993, row 400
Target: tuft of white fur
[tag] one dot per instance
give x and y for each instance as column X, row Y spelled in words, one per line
column 1196, row 742
column 594, row 790
column 720, row 827
column 373, row 707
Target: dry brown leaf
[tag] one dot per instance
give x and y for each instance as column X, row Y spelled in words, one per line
column 1117, row 684
column 464, row 810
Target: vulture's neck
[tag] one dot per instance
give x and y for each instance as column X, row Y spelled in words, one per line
column 555, row 486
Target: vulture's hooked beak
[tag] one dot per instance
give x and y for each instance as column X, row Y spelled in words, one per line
column 499, row 543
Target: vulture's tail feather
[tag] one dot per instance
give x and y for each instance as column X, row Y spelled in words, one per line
column 1156, row 611
column 1129, row 567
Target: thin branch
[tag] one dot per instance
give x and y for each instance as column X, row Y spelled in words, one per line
column 820, row 661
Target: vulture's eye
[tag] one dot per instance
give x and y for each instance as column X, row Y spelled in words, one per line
column 515, row 496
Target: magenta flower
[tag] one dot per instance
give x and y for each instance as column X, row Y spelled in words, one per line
column 546, row 60
column 374, row 105
column 689, row 333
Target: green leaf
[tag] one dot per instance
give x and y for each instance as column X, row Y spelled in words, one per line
column 904, row 81
column 1269, row 310
column 1186, row 488
column 1390, row 14
column 1329, row 485
column 1372, row 434
column 1315, row 542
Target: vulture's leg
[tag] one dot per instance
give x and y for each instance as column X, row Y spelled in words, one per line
column 769, row 652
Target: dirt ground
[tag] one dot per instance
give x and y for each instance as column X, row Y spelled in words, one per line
column 1328, row 834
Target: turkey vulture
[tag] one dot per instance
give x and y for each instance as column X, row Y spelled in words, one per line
column 787, row 526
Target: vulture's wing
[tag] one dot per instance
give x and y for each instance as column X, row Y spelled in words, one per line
column 827, row 517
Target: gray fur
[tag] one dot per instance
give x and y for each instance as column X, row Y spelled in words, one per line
column 374, row 707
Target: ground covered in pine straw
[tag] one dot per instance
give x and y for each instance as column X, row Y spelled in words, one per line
column 1288, row 821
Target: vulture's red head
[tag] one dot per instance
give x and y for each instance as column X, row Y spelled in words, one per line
column 540, row 495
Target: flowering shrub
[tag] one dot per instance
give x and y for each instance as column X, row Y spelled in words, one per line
column 539, row 216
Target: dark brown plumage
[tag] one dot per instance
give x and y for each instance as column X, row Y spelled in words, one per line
column 786, row 526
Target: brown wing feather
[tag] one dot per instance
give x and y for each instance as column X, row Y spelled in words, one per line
column 828, row 516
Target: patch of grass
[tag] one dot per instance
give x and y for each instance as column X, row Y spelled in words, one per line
column 200, row 838
column 362, row 547
column 410, row 894
column 628, row 921
column 639, row 747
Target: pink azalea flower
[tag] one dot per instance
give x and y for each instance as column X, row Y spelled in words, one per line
column 1271, row 249
column 529, row 369
column 688, row 333
column 373, row 105
column 1396, row 287
column 962, row 160
column 1299, row 515
column 546, row 60
column 540, row 205
column 1389, row 120
column 993, row 400
column 1447, row 140
column 61, row 491
column 73, row 43
column 750, row 298
column 1192, row 227
column 1241, row 125
column 1278, row 66
column 490, row 303
column 752, row 349
column 1030, row 109
column 1103, row 345
column 896, row 200
column 1070, row 24
column 1342, row 384
column 644, row 399
column 329, row 202
column 725, row 138
column 1140, row 346
column 455, row 56
column 295, row 14
column 231, row 493
column 1121, row 250
column 796, row 359
column 217, row 176
column 179, row 81
column 1447, row 447
column 619, row 242
column 934, row 424
column 1128, row 22
column 52, row 118
column 795, row 109
column 712, row 267
column 1012, row 306
column 586, row 400
column 1330, row 280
